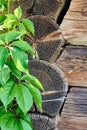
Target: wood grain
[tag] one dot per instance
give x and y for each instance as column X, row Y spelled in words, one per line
column 73, row 62
column 50, row 8
column 26, row 5
column 48, row 40
column 74, row 25
column 74, row 113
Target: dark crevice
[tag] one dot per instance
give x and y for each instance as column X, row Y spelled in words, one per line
column 30, row 11
column 64, row 101
column 63, row 12
column 63, row 48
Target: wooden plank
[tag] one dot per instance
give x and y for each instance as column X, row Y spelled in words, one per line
column 77, row 93
column 74, row 114
column 72, row 89
column 76, row 101
column 73, row 62
column 72, row 124
column 74, row 25
column 75, row 107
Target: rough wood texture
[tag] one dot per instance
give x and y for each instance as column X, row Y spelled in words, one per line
column 48, row 40
column 51, row 8
column 54, row 83
column 74, row 25
column 25, row 5
column 73, row 62
column 42, row 122
column 74, row 113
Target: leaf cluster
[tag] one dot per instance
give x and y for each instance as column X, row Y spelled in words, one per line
column 18, row 88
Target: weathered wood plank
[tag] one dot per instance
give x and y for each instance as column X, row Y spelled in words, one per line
column 72, row 124
column 74, row 25
column 80, row 96
column 73, row 62
column 75, row 107
column 74, row 114
column 76, row 101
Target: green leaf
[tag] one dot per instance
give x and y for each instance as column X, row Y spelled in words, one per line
column 1, row 42
column 8, row 93
column 24, row 46
column 2, row 19
column 4, row 119
column 9, row 21
column 13, row 69
column 10, row 36
column 36, row 95
column 24, row 98
column 18, row 12
column 9, row 122
column 21, row 28
column 29, row 25
column 11, row 16
column 4, row 75
column 2, row 8
column 25, row 125
column 27, row 119
column 3, row 5
column 3, row 56
column 33, row 80
column 20, row 59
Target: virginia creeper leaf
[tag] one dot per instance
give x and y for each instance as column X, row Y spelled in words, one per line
column 2, row 18
column 29, row 25
column 4, row 75
column 20, row 59
column 24, row 98
column 13, row 68
column 36, row 95
column 8, row 93
column 3, row 56
column 33, row 80
column 24, row 46
column 18, row 12
column 10, row 36
column 21, row 28
column 8, row 23
column 25, row 125
column 9, row 122
column 27, row 119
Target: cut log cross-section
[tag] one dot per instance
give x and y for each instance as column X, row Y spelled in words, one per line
column 50, row 8
column 54, row 83
column 42, row 122
column 24, row 4
column 48, row 40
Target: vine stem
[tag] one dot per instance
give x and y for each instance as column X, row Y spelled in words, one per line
column 8, row 6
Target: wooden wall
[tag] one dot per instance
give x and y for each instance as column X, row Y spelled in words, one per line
column 74, row 25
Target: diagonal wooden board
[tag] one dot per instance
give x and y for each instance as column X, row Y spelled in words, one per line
column 73, row 61
column 74, row 25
